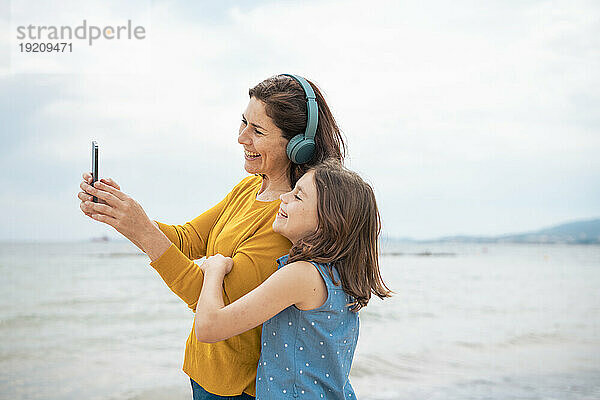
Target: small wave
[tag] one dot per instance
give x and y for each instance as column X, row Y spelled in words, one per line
column 377, row 314
column 117, row 255
column 419, row 315
column 533, row 338
column 470, row 345
column 520, row 340
column 20, row 320
column 89, row 315
column 419, row 254
column 87, row 301
column 477, row 382
column 383, row 366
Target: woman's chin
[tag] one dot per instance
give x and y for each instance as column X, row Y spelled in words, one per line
column 252, row 167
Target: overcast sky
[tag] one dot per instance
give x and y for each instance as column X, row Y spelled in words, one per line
column 467, row 117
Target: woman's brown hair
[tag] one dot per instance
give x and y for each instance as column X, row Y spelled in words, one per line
column 285, row 104
column 347, row 234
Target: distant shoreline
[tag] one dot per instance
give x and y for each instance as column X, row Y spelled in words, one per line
column 577, row 232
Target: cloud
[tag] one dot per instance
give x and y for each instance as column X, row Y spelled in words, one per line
column 464, row 116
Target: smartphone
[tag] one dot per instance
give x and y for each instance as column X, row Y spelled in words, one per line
column 94, row 166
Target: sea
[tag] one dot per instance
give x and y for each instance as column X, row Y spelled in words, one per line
column 93, row 320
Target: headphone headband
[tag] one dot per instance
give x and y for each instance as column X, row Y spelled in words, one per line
column 301, row 147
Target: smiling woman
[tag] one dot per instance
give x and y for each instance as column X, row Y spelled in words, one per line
column 264, row 147
column 240, row 226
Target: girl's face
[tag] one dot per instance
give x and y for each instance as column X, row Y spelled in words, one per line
column 297, row 216
column 264, row 145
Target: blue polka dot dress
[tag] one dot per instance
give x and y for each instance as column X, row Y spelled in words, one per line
column 308, row 354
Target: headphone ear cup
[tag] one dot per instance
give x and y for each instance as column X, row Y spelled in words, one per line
column 291, row 145
column 300, row 149
column 306, row 150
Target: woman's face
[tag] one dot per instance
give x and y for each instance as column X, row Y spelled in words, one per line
column 297, row 216
column 264, row 144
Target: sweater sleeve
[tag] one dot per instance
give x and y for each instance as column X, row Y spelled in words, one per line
column 191, row 238
column 175, row 265
column 183, row 276
column 253, row 262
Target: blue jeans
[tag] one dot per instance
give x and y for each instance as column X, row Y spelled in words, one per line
column 200, row 394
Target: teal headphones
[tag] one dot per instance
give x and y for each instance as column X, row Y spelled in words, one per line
column 300, row 148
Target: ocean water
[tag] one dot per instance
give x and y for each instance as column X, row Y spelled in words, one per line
column 95, row 321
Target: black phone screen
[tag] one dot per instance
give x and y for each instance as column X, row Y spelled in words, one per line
column 94, row 165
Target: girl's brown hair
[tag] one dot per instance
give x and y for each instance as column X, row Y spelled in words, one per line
column 285, row 104
column 347, row 233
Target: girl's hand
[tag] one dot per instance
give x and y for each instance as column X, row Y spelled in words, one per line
column 218, row 262
column 115, row 208
column 87, row 178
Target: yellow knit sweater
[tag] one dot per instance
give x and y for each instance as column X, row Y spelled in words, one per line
column 239, row 227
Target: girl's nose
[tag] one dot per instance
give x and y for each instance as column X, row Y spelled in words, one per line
column 283, row 197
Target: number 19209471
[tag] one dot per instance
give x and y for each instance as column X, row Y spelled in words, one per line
column 46, row 47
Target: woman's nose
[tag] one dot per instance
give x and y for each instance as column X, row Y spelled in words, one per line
column 283, row 197
column 243, row 137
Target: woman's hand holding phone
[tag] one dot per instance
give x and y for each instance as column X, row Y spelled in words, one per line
column 116, row 209
column 123, row 213
column 83, row 196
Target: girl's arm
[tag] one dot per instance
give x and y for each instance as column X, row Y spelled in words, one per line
column 297, row 283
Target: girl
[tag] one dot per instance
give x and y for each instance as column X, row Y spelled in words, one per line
column 309, row 305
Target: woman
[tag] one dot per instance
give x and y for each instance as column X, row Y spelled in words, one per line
column 240, row 226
